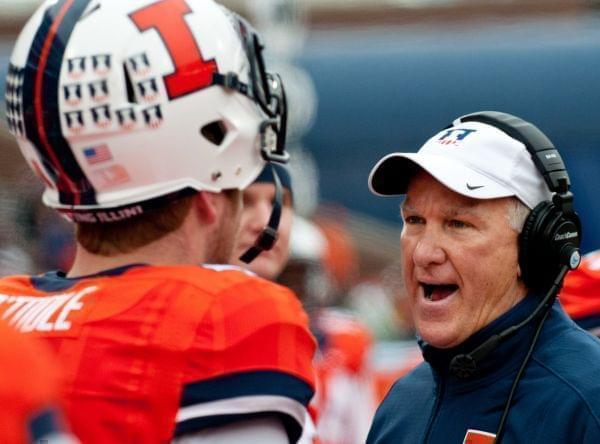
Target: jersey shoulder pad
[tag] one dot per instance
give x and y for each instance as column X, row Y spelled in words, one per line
column 252, row 355
column 253, row 324
column 206, row 278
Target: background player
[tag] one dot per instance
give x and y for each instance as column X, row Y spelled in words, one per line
column 344, row 402
column 29, row 392
column 258, row 200
column 144, row 138
column 580, row 295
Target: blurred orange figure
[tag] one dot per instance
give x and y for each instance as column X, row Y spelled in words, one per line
column 29, row 391
column 580, row 295
column 317, row 262
column 345, row 395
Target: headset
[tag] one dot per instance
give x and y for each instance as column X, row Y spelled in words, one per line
column 552, row 233
column 548, row 244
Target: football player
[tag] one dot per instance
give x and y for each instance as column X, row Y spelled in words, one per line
column 344, row 404
column 145, row 119
column 258, row 200
column 29, row 392
column 580, row 295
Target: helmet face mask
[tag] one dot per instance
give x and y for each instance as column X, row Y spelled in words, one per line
column 266, row 89
column 121, row 106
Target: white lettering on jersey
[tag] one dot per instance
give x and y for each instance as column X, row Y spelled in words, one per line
column 50, row 313
column 225, row 267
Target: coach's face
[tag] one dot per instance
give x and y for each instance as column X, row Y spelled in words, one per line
column 460, row 261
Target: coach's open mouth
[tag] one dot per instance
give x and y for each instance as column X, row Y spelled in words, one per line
column 438, row 292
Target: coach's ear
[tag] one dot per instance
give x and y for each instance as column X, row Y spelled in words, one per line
column 206, row 207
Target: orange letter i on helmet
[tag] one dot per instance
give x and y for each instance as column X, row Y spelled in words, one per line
column 192, row 72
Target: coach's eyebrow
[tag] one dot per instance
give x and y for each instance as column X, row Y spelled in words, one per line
column 406, row 206
column 469, row 208
column 457, row 210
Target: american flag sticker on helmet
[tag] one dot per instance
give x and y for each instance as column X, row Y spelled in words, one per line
column 479, row 437
column 97, row 154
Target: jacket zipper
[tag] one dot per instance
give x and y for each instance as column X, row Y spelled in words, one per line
column 436, row 408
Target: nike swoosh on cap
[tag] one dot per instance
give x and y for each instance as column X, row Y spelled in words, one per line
column 474, row 187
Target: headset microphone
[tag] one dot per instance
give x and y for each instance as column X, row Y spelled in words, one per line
column 465, row 365
column 267, row 238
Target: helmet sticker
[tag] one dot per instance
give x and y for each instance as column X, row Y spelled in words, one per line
column 76, row 67
column 98, row 90
column 101, row 64
column 126, row 118
column 72, row 94
column 112, row 176
column 147, row 90
column 139, row 64
column 14, row 101
column 75, row 122
column 97, row 154
column 153, row 116
column 101, row 116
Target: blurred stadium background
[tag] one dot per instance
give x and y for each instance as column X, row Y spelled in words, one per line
column 366, row 77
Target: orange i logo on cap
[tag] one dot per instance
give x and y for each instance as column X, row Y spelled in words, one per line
column 454, row 135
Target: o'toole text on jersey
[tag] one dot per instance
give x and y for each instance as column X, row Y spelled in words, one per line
column 50, row 313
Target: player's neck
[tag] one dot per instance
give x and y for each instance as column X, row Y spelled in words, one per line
column 170, row 250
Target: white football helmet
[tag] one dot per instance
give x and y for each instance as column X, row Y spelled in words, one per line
column 121, row 106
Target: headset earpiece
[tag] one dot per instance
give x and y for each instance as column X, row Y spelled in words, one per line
column 528, row 233
column 548, row 241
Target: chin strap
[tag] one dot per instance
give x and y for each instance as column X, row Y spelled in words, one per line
column 267, row 238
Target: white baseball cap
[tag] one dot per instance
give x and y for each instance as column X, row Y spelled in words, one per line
column 471, row 158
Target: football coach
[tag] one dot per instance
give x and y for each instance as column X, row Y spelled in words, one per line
column 489, row 234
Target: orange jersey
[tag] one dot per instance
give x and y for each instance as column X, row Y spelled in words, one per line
column 28, row 390
column 580, row 295
column 345, row 399
column 154, row 352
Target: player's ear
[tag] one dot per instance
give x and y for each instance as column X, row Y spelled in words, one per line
column 206, row 206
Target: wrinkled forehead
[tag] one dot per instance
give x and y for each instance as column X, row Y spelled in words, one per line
column 423, row 185
column 425, row 193
column 463, row 205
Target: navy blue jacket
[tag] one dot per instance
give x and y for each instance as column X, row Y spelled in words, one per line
column 557, row 400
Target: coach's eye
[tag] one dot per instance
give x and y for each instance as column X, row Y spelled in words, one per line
column 455, row 223
column 414, row 220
